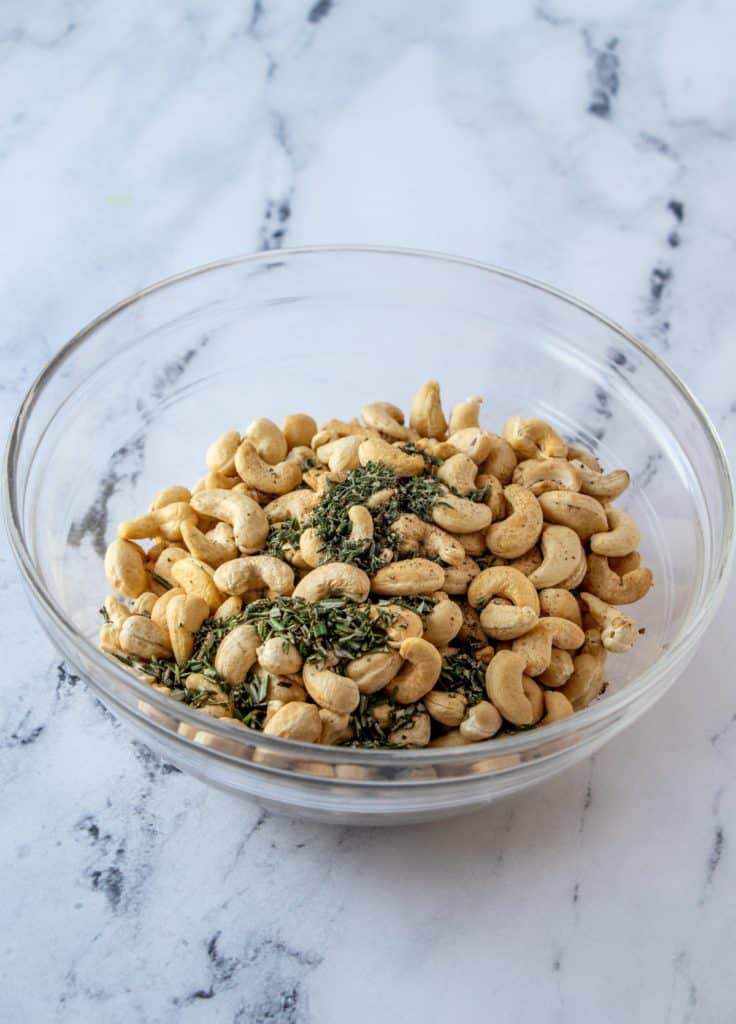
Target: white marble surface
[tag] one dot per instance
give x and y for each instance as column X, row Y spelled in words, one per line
column 591, row 145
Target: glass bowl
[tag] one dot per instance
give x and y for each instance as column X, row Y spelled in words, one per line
column 129, row 405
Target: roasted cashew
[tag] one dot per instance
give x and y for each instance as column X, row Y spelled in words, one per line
column 513, row 536
column 294, row 505
column 295, row 721
column 619, row 632
column 459, row 515
column 268, row 440
column 625, row 564
column 527, row 563
column 583, row 514
column 279, row 657
column 588, row 677
column 184, row 615
column 416, row 734
column 261, row 575
column 465, row 414
column 562, row 551
column 621, row 538
column 216, row 481
column 416, row 536
column 108, row 639
column 311, row 548
column 144, row 604
column 604, row 486
column 559, row 670
column 459, row 473
column 504, row 686
column 125, row 568
column 558, row 707
column 603, row 582
column 362, row 523
column 334, row 578
column 299, row 429
column 237, row 653
column 336, row 728
column 534, row 439
column 373, row 671
column 443, row 623
column 375, row 449
column 440, row 449
column 534, row 693
column 256, row 472
column 342, row 454
column 426, row 415
column 418, row 676
column 561, row 603
column 158, row 612
column 404, row 623
column 331, row 690
column 387, row 419
column 583, row 455
column 143, row 638
column 409, row 577
column 163, row 522
column 504, row 622
column 196, row 577
column 556, row 471
column 471, row 628
column 536, row 645
column 247, row 518
column 577, row 576
column 117, row 612
column 501, row 460
column 446, row 708
column 230, row 606
column 168, row 496
column 481, row 722
column 208, row 549
column 220, row 457
column 472, row 442
column 458, row 577
column 495, row 499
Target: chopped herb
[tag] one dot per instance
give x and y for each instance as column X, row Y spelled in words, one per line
column 105, row 616
column 250, row 701
column 161, row 581
column 411, row 449
column 479, row 494
column 462, row 673
column 282, row 536
column 368, row 732
column 421, row 604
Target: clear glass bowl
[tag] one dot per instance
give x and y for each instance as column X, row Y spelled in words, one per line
column 131, row 402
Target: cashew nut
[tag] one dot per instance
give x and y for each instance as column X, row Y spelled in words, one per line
column 195, row 577
column 417, row 536
column 163, row 522
column 557, row 471
column 459, row 473
column 535, row 695
column 609, row 586
column 387, row 419
column 361, row 523
column 311, row 548
column 236, row 654
column 560, row 603
column 604, row 486
column 495, row 499
column 534, row 439
column 374, row 671
column 247, row 518
column 208, row 549
column 342, row 454
column 402, row 625
column 411, row 576
column 117, row 612
column 474, row 544
column 619, row 632
column 559, row 670
column 443, row 623
column 474, row 443
column 588, row 677
column 501, row 460
column 143, row 605
column 295, row 721
column 558, row 707
column 299, row 429
column 331, row 690
column 520, row 531
column 220, row 455
column 504, row 622
column 257, row 473
column 165, row 563
column 583, row 514
column 621, row 538
column 458, row 577
column 184, row 615
column 460, row 515
column 125, row 568
column 562, row 551
column 158, row 612
column 418, row 676
column 336, row 728
column 446, row 708
column 230, row 606
column 257, row 575
column 294, row 505
column 426, row 415
column 268, row 441
column 504, row 686
column 416, row 734
column 536, row 645
column 375, row 449
column 280, row 657
column 143, row 638
column 465, row 414
column 527, row 563
column 168, row 496
column 334, row 578
column 481, row 722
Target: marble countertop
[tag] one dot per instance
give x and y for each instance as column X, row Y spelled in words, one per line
column 589, row 145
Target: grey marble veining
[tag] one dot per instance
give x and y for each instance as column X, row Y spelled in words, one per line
column 592, row 146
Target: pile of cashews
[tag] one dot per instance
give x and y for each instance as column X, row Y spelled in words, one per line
column 529, row 577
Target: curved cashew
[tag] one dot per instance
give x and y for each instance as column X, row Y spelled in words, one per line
column 310, row 547
column 247, row 518
column 481, row 722
column 426, row 416
column 459, row 473
column 331, row 690
column 561, row 604
column 295, row 721
column 294, row 505
column 589, row 675
column 459, row 515
column 403, row 624
column 619, row 632
column 556, row 471
column 534, row 439
column 465, row 414
column 562, row 550
column 625, row 564
column 604, row 486
column 501, row 460
column 216, row 481
column 458, row 577
column 536, row 645
column 143, row 605
column 527, row 563
column 158, row 612
column 504, row 686
column 440, row 449
column 268, row 440
column 208, row 549
column 117, row 612
column 621, row 538
column 256, row 574
column 446, row 708
column 184, row 615
column 362, row 523
column 472, row 442
column 558, row 707
column 583, row 455
column 387, row 419
column 125, row 568
column 583, row 514
column 236, row 654
column 108, row 639
column 196, row 577
column 143, row 638
column 577, row 575
column 334, row 578
column 603, row 582
column 279, row 657
column 168, row 496
column 534, row 693
column 416, row 734
column 443, row 623
column 299, row 429
column 220, row 457
column 256, row 473
column 520, row 530
column 559, row 670
column 474, row 544
column 504, row 622
column 373, row 671
column 409, row 577
column 375, row 449
column 229, row 607
column 336, row 728
column 418, row 676
column 163, row 522
column 495, row 499
column 342, row 454
column 417, row 536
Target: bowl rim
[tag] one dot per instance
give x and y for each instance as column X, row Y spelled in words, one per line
column 596, row 713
